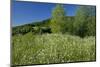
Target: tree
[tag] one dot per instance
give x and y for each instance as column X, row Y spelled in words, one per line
column 91, row 25
column 80, row 26
column 57, row 20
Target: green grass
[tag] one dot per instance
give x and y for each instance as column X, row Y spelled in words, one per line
column 51, row 48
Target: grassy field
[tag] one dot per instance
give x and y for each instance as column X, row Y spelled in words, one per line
column 51, row 48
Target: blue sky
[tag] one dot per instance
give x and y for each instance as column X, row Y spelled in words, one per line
column 27, row 12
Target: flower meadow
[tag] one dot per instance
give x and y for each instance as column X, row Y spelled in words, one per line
column 52, row 48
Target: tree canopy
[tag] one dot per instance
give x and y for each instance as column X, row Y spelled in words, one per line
column 58, row 19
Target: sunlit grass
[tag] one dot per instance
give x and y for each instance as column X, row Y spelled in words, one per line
column 51, row 48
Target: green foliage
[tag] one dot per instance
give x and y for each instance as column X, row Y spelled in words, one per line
column 83, row 21
column 91, row 26
column 51, row 48
column 69, row 25
column 58, row 19
column 21, row 29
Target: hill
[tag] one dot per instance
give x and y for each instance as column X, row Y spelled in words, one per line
column 28, row 27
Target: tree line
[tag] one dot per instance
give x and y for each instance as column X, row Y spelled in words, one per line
column 82, row 24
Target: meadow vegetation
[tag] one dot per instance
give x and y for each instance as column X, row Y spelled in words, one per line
column 52, row 48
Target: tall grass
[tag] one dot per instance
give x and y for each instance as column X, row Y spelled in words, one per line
column 51, row 48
